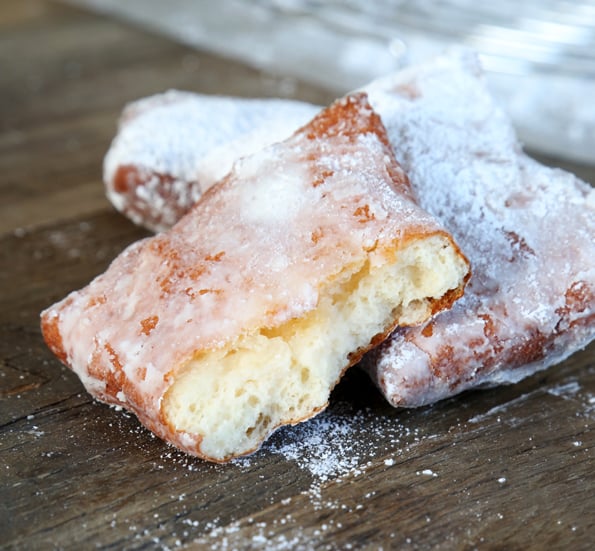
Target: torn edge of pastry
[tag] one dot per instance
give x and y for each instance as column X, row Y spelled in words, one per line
column 244, row 316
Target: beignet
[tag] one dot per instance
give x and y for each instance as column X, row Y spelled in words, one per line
column 528, row 230
column 244, row 315
column 170, row 148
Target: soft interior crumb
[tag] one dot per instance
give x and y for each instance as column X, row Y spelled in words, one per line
column 287, row 372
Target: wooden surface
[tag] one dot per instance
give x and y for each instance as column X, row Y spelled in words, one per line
column 507, row 468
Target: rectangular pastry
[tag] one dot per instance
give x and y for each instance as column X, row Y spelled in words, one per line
column 245, row 314
column 528, row 230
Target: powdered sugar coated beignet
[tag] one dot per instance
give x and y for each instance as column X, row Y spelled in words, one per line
column 243, row 317
column 172, row 147
column 528, row 230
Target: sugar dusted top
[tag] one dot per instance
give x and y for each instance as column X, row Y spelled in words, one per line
column 172, row 147
column 528, row 230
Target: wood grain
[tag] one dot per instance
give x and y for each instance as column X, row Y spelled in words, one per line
column 507, row 468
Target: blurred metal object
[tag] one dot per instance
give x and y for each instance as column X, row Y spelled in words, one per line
column 512, row 35
column 539, row 54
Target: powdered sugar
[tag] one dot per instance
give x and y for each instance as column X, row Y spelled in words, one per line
column 169, row 149
column 340, row 444
column 181, row 130
column 334, row 444
column 529, row 232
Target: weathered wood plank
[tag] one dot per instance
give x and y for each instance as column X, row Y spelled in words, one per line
column 59, row 103
column 505, row 465
column 506, row 468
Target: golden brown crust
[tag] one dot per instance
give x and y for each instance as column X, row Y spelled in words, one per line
column 50, row 329
column 130, row 183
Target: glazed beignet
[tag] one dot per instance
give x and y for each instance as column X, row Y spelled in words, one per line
column 245, row 314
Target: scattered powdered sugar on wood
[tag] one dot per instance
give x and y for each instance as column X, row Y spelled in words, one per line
column 573, row 390
column 341, row 443
column 567, row 390
column 336, row 444
column 501, row 408
column 324, row 447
